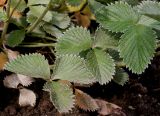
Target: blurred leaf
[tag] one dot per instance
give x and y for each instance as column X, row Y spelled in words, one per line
column 37, row 2
column 21, row 7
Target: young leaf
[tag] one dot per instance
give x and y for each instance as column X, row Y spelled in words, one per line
column 137, row 47
column 104, row 39
column 101, row 65
column 33, row 65
column 15, row 37
column 150, row 8
column 27, row 97
column 117, row 17
column 73, row 41
column 84, row 101
column 61, row 95
column 73, row 69
column 121, row 77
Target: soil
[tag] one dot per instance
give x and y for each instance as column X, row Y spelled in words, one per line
column 139, row 97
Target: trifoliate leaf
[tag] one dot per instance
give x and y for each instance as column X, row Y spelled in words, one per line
column 61, row 20
column 37, row 2
column 85, row 101
column 102, row 65
column 104, row 39
column 52, row 30
column 137, row 47
column 15, row 37
column 121, row 77
column 21, row 7
column 117, row 17
column 61, row 95
column 37, row 12
column 27, row 97
column 73, row 41
column 73, row 69
column 150, row 22
column 150, row 8
column 33, row 65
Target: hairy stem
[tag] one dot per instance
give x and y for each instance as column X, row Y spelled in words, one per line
column 32, row 27
column 6, row 23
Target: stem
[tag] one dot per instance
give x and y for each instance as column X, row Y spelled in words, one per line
column 32, row 27
column 38, row 45
column 14, row 9
column 42, row 36
column 6, row 23
column 120, row 64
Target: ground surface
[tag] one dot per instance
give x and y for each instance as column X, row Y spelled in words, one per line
column 139, row 97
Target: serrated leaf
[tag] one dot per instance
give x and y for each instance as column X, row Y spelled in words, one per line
column 102, row 65
column 117, row 17
column 73, row 69
column 37, row 12
column 61, row 20
column 137, row 47
column 61, row 95
column 150, row 8
column 33, row 65
column 104, row 39
column 15, row 37
column 52, row 30
column 73, row 41
column 121, row 77
column 37, row 2
column 85, row 101
column 21, row 7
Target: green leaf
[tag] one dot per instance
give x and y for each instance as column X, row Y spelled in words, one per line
column 73, row 69
column 33, row 65
column 74, row 2
column 117, row 17
column 121, row 77
column 37, row 2
column 15, row 37
column 21, row 7
column 150, row 22
column 61, row 20
column 37, row 12
column 150, row 8
column 73, row 41
column 101, row 65
column 137, row 47
column 61, row 95
column 104, row 39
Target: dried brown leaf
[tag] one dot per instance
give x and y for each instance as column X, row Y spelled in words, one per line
column 27, row 98
column 2, row 2
column 84, row 101
column 3, row 60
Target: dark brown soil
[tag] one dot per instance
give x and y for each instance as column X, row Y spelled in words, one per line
column 139, row 97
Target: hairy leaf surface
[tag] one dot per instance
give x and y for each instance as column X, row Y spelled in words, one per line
column 61, row 95
column 101, row 65
column 73, row 69
column 73, row 41
column 136, row 47
column 33, row 65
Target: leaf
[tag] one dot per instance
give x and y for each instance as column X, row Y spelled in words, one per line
column 61, row 95
column 37, row 2
column 150, row 8
column 15, row 37
column 74, row 2
column 21, row 7
column 73, row 41
column 37, row 12
column 73, row 69
column 27, row 98
column 52, row 30
column 61, row 20
column 137, row 47
column 117, row 17
column 3, row 60
column 11, row 54
column 2, row 2
column 101, row 65
column 121, row 77
column 33, row 65
column 104, row 39
column 25, row 80
column 84, row 101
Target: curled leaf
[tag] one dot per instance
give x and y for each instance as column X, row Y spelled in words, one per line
column 27, row 98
